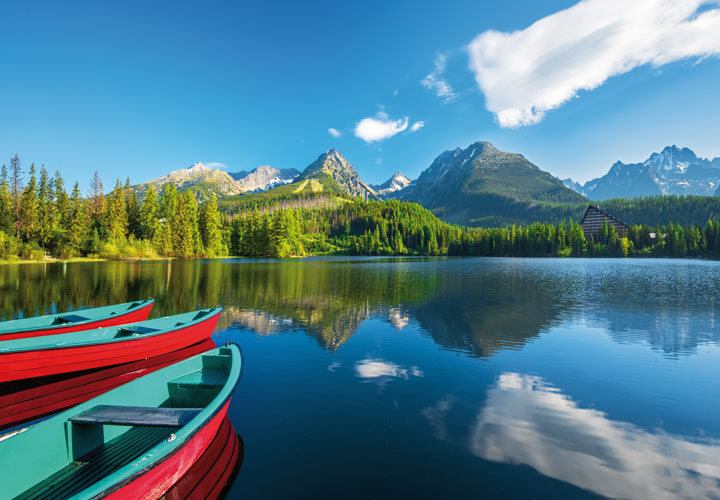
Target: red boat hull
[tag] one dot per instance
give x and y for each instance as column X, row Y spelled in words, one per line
column 115, row 320
column 155, row 481
column 45, row 362
column 45, row 398
column 214, row 472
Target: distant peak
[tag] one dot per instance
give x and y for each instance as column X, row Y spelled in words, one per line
column 198, row 165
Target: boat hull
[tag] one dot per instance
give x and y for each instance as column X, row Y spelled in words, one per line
column 158, row 478
column 42, row 398
column 214, row 472
column 134, row 316
column 57, row 360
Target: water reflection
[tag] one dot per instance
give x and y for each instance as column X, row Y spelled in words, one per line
column 527, row 421
column 381, row 371
column 475, row 306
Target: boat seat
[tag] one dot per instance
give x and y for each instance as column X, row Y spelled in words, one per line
column 68, row 318
column 127, row 331
column 140, row 416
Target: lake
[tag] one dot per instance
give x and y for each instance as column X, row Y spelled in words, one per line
column 446, row 378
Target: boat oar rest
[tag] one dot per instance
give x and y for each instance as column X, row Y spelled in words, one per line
column 139, row 416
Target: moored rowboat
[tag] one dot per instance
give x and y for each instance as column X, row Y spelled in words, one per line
column 84, row 319
column 135, row 441
column 25, row 401
column 102, row 347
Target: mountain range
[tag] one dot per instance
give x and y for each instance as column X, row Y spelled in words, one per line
column 205, row 181
column 479, row 185
column 672, row 171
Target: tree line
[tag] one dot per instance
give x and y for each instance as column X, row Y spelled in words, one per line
column 39, row 218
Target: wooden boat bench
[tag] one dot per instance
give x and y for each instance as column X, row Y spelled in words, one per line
column 139, row 416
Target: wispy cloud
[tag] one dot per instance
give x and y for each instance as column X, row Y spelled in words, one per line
column 215, row 164
column 436, row 82
column 417, row 126
column 334, row 132
column 380, row 127
column 526, row 73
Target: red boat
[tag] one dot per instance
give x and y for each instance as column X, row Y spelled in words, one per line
column 74, row 321
column 28, row 400
column 72, row 352
column 212, row 476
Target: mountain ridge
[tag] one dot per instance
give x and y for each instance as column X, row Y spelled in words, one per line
column 674, row 170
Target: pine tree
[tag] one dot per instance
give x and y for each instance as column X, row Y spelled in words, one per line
column 149, row 222
column 45, row 209
column 96, row 205
column 78, row 223
column 116, row 214
column 181, row 229
column 132, row 209
column 28, row 208
column 62, row 203
column 209, row 221
column 168, row 201
column 16, row 179
column 192, row 210
column 7, row 222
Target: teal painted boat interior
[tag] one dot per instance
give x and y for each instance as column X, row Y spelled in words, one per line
column 70, row 317
column 121, row 333
column 81, row 460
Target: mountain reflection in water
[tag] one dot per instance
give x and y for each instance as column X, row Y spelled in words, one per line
column 526, row 421
column 476, row 306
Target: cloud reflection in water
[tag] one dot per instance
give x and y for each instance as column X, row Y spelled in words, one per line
column 527, row 421
column 381, row 370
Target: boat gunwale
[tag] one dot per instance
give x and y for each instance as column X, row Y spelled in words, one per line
column 213, row 311
column 38, row 328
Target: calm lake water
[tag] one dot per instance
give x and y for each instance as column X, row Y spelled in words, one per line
column 446, row 378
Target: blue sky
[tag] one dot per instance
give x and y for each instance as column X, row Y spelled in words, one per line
column 141, row 88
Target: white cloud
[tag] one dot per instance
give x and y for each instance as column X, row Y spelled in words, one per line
column 215, row 164
column 379, row 128
column 417, row 126
column 334, row 132
column 435, row 81
column 526, row 73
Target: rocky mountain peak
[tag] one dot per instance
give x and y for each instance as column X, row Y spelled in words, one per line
column 395, row 183
column 334, row 165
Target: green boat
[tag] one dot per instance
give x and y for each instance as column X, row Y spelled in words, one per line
column 135, row 441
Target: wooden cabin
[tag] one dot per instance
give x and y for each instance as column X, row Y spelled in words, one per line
column 594, row 219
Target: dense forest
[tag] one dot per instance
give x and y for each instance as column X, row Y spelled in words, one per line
column 40, row 219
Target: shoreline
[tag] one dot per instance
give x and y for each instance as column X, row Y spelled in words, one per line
column 340, row 254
